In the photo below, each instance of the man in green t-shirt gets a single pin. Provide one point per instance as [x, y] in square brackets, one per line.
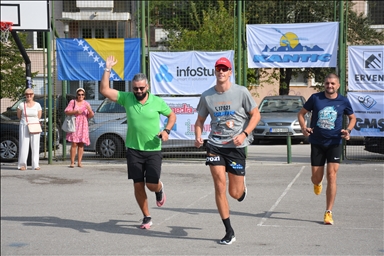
[143, 139]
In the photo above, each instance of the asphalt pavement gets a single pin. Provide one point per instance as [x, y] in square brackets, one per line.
[92, 210]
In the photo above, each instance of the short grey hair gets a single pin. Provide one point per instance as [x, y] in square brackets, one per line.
[140, 77]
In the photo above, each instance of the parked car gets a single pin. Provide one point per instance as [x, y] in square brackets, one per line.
[279, 118]
[57, 104]
[108, 140]
[374, 144]
[9, 139]
[108, 110]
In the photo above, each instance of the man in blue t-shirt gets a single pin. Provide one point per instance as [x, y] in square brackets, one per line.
[325, 135]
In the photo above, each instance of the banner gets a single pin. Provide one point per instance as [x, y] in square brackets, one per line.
[185, 73]
[293, 45]
[369, 111]
[365, 68]
[186, 115]
[84, 59]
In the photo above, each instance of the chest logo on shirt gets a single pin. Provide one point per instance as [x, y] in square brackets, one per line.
[230, 124]
[327, 118]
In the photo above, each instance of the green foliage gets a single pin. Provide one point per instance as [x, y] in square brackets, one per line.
[12, 76]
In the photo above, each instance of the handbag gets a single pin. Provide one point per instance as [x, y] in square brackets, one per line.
[69, 124]
[33, 128]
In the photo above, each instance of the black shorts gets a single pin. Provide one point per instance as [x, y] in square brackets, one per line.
[320, 154]
[144, 165]
[232, 158]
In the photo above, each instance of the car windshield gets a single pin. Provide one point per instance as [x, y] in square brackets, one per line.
[280, 105]
[40, 100]
[109, 106]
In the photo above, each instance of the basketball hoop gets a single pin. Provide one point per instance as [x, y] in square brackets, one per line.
[6, 27]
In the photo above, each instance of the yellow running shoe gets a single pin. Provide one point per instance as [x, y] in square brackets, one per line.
[328, 218]
[317, 188]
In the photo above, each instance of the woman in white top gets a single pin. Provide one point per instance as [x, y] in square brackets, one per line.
[33, 112]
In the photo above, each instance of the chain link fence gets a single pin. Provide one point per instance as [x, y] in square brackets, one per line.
[187, 26]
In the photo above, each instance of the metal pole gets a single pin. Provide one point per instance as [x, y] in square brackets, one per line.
[239, 48]
[64, 101]
[289, 149]
[143, 37]
[342, 56]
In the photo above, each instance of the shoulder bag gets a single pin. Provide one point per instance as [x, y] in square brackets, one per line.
[69, 124]
[33, 128]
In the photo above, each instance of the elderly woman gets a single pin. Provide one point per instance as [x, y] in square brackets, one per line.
[83, 111]
[28, 112]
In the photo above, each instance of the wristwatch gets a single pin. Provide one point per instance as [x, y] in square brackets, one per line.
[349, 131]
[107, 69]
[167, 131]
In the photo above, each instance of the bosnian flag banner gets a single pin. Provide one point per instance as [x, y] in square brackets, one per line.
[185, 73]
[293, 45]
[84, 59]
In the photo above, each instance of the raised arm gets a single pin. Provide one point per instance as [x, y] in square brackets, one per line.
[104, 83]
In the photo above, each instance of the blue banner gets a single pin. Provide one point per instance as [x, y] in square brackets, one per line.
[84, 59]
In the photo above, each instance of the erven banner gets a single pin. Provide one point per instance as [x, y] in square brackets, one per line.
[185, 73]
[84, 59]
[366, 68]
[294, 45]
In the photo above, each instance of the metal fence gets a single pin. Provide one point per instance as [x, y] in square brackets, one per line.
[201, 26]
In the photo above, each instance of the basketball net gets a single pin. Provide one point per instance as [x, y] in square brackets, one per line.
[6, 27]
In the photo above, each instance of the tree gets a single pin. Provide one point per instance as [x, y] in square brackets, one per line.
[12, 76]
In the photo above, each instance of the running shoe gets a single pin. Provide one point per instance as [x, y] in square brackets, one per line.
[328, 218]
[244, 194]
[147, 223]
[160, 196]
[229, 238]
[317, 188]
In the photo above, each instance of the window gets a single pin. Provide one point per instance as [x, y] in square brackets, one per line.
[375, 12]
[37, 40]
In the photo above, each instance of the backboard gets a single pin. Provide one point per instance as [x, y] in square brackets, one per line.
[26, 15]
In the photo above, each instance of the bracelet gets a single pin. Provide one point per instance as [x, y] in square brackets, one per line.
[107, 69]
[246, 134]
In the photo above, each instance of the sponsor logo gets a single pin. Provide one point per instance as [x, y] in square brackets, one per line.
[373, 61]
[213, 158]
[367, 102]
[236, 166]
[294, 51]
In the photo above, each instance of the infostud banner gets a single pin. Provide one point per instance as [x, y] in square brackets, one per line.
[369, 111]
[366, 68]
[186, 115]
[84, 59]
[185, 73]
[293, 45]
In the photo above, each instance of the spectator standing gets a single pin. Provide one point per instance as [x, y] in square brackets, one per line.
[83, 111]
[32, 111]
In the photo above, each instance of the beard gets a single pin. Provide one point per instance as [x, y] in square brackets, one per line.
[140, 96]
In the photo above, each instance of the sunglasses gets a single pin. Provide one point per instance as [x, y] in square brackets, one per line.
[139, 88]
[80, 94]
[28, 94]
[224, 69]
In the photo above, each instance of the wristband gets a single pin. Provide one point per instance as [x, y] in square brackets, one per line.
[167, 131]
[107, 69]
[246, 134]
[349, 131]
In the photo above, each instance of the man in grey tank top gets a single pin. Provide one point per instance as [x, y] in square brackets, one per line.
[234, 115]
